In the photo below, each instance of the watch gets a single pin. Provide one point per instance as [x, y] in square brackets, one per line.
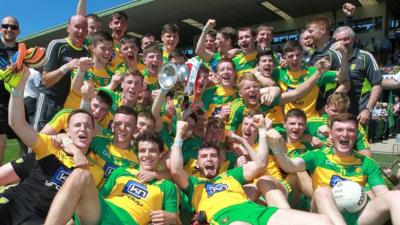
[369, 109]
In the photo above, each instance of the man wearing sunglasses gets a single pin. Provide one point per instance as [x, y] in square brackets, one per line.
[8, 46]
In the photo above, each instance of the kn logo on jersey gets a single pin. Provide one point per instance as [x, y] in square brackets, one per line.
[215, 188]
[135, 189]
[60, 176]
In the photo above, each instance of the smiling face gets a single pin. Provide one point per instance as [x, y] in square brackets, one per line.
[149, 155]
[208, 162]
[249, 130]
[153, 62]
[118, 26]
[246, 41]
[131, 86]
[264, 37]
[226, 74]
[293, 59]
[129, 51]
[295, 127]
[77, 30]
[210, 43]
[9, 29]
[249, 90]
[99, 109]
[103, 52]
[170, 40]
[81, 130]
[123, 128]
[344, 136]
[266, 64]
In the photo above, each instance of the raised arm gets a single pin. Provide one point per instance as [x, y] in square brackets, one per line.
[81, 8]
[77, 82]
[342, 76]
[277, 146]
[201, 43]
[156, 109]
[180, 176]
[253, 168]
[16, 114]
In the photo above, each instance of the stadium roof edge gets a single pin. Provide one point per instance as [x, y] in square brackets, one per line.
[102, 13]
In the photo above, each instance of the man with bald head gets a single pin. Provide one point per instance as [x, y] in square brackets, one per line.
[64, 55]
[8, 46]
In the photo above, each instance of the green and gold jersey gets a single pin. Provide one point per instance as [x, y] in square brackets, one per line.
[122, 68]
[109, 157]
[60, 121]
[298, 148]
[213, 195]
[165, 54]
[315, 123]
[128, 195]
[151, 81]
[244, 63]
[326, 168]
[215, 97]
[272, 167]
[117, 100]
[289, 80]
[229, 163]
[239, 110]
[44, 147]
[99, 78]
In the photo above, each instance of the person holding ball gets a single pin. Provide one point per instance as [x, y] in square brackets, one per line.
[330, 165]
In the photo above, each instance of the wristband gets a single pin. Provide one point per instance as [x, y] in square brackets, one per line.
[64, 69]
[17, 93]
[85, 105]
[262, 130]
[66, 142]
[178, 142]
[276, 150]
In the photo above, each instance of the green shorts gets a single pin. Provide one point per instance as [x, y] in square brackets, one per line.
[248, 212]
[110, 214]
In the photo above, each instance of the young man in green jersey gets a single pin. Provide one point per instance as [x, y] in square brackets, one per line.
[95, 70]
[221, 197]
[129, 56]
[216, 99]
[98, 105]
[246, 59]
[330, 165]
[131, 85]
[295, 74]
[170, 39]
[116, 150]
[152, 58]
[318, 127]
[225, 39]
[123, 199]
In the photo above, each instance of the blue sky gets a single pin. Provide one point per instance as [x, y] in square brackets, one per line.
[37, 15]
